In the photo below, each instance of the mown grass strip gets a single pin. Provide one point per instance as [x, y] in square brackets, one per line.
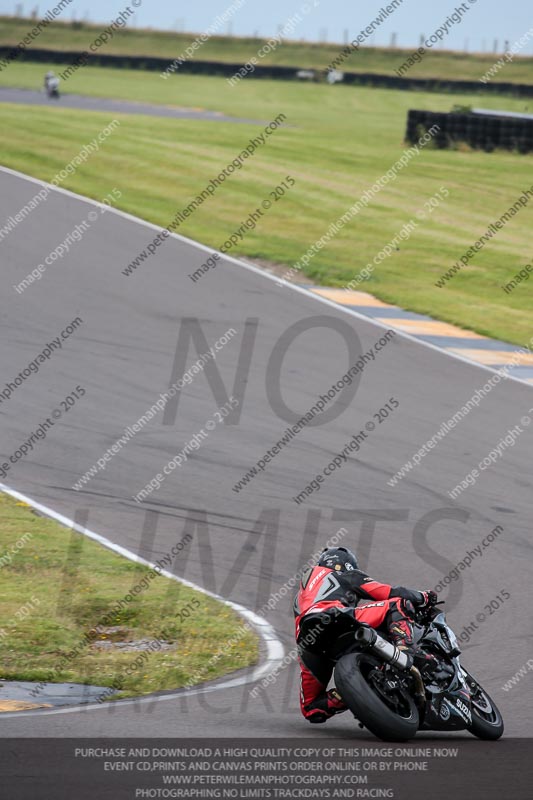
[60, 590]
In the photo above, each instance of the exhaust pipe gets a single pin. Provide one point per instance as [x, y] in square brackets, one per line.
[370, 640]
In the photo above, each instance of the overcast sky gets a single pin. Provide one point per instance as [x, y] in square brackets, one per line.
[484, 22]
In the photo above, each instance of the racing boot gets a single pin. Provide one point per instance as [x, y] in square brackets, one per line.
[401, 634]
[325, 706]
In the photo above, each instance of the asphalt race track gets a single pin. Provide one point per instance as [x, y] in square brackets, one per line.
[246, 545]
[85, 103]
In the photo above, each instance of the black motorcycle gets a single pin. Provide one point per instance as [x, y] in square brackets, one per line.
[394, 699]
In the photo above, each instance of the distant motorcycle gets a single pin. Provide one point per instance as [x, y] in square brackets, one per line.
[394, 700]
[51, 85]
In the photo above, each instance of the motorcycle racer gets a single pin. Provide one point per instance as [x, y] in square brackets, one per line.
[325, 607]
[51, 84]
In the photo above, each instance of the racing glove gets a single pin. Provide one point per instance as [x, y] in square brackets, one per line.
[427, 598]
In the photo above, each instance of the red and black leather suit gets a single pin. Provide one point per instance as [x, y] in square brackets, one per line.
[325, 607]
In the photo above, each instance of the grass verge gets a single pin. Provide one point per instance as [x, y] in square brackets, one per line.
[168, 44]
[57, 585]
[337, 143]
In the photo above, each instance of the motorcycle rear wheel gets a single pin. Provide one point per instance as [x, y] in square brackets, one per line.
[391, 717]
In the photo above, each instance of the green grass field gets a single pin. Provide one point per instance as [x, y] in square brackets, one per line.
[436, 64]
[337, 143]
[57, 585]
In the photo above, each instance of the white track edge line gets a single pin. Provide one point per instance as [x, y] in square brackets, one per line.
[274, 647]
[302, 290]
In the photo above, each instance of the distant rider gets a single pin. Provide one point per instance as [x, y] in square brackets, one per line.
[51, 84]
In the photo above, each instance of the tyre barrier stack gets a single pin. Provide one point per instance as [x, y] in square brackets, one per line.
[481, 131]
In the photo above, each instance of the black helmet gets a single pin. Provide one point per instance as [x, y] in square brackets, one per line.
[338, 558]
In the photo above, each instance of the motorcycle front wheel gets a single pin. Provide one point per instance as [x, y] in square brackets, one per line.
[376, 697]
[487, 722]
